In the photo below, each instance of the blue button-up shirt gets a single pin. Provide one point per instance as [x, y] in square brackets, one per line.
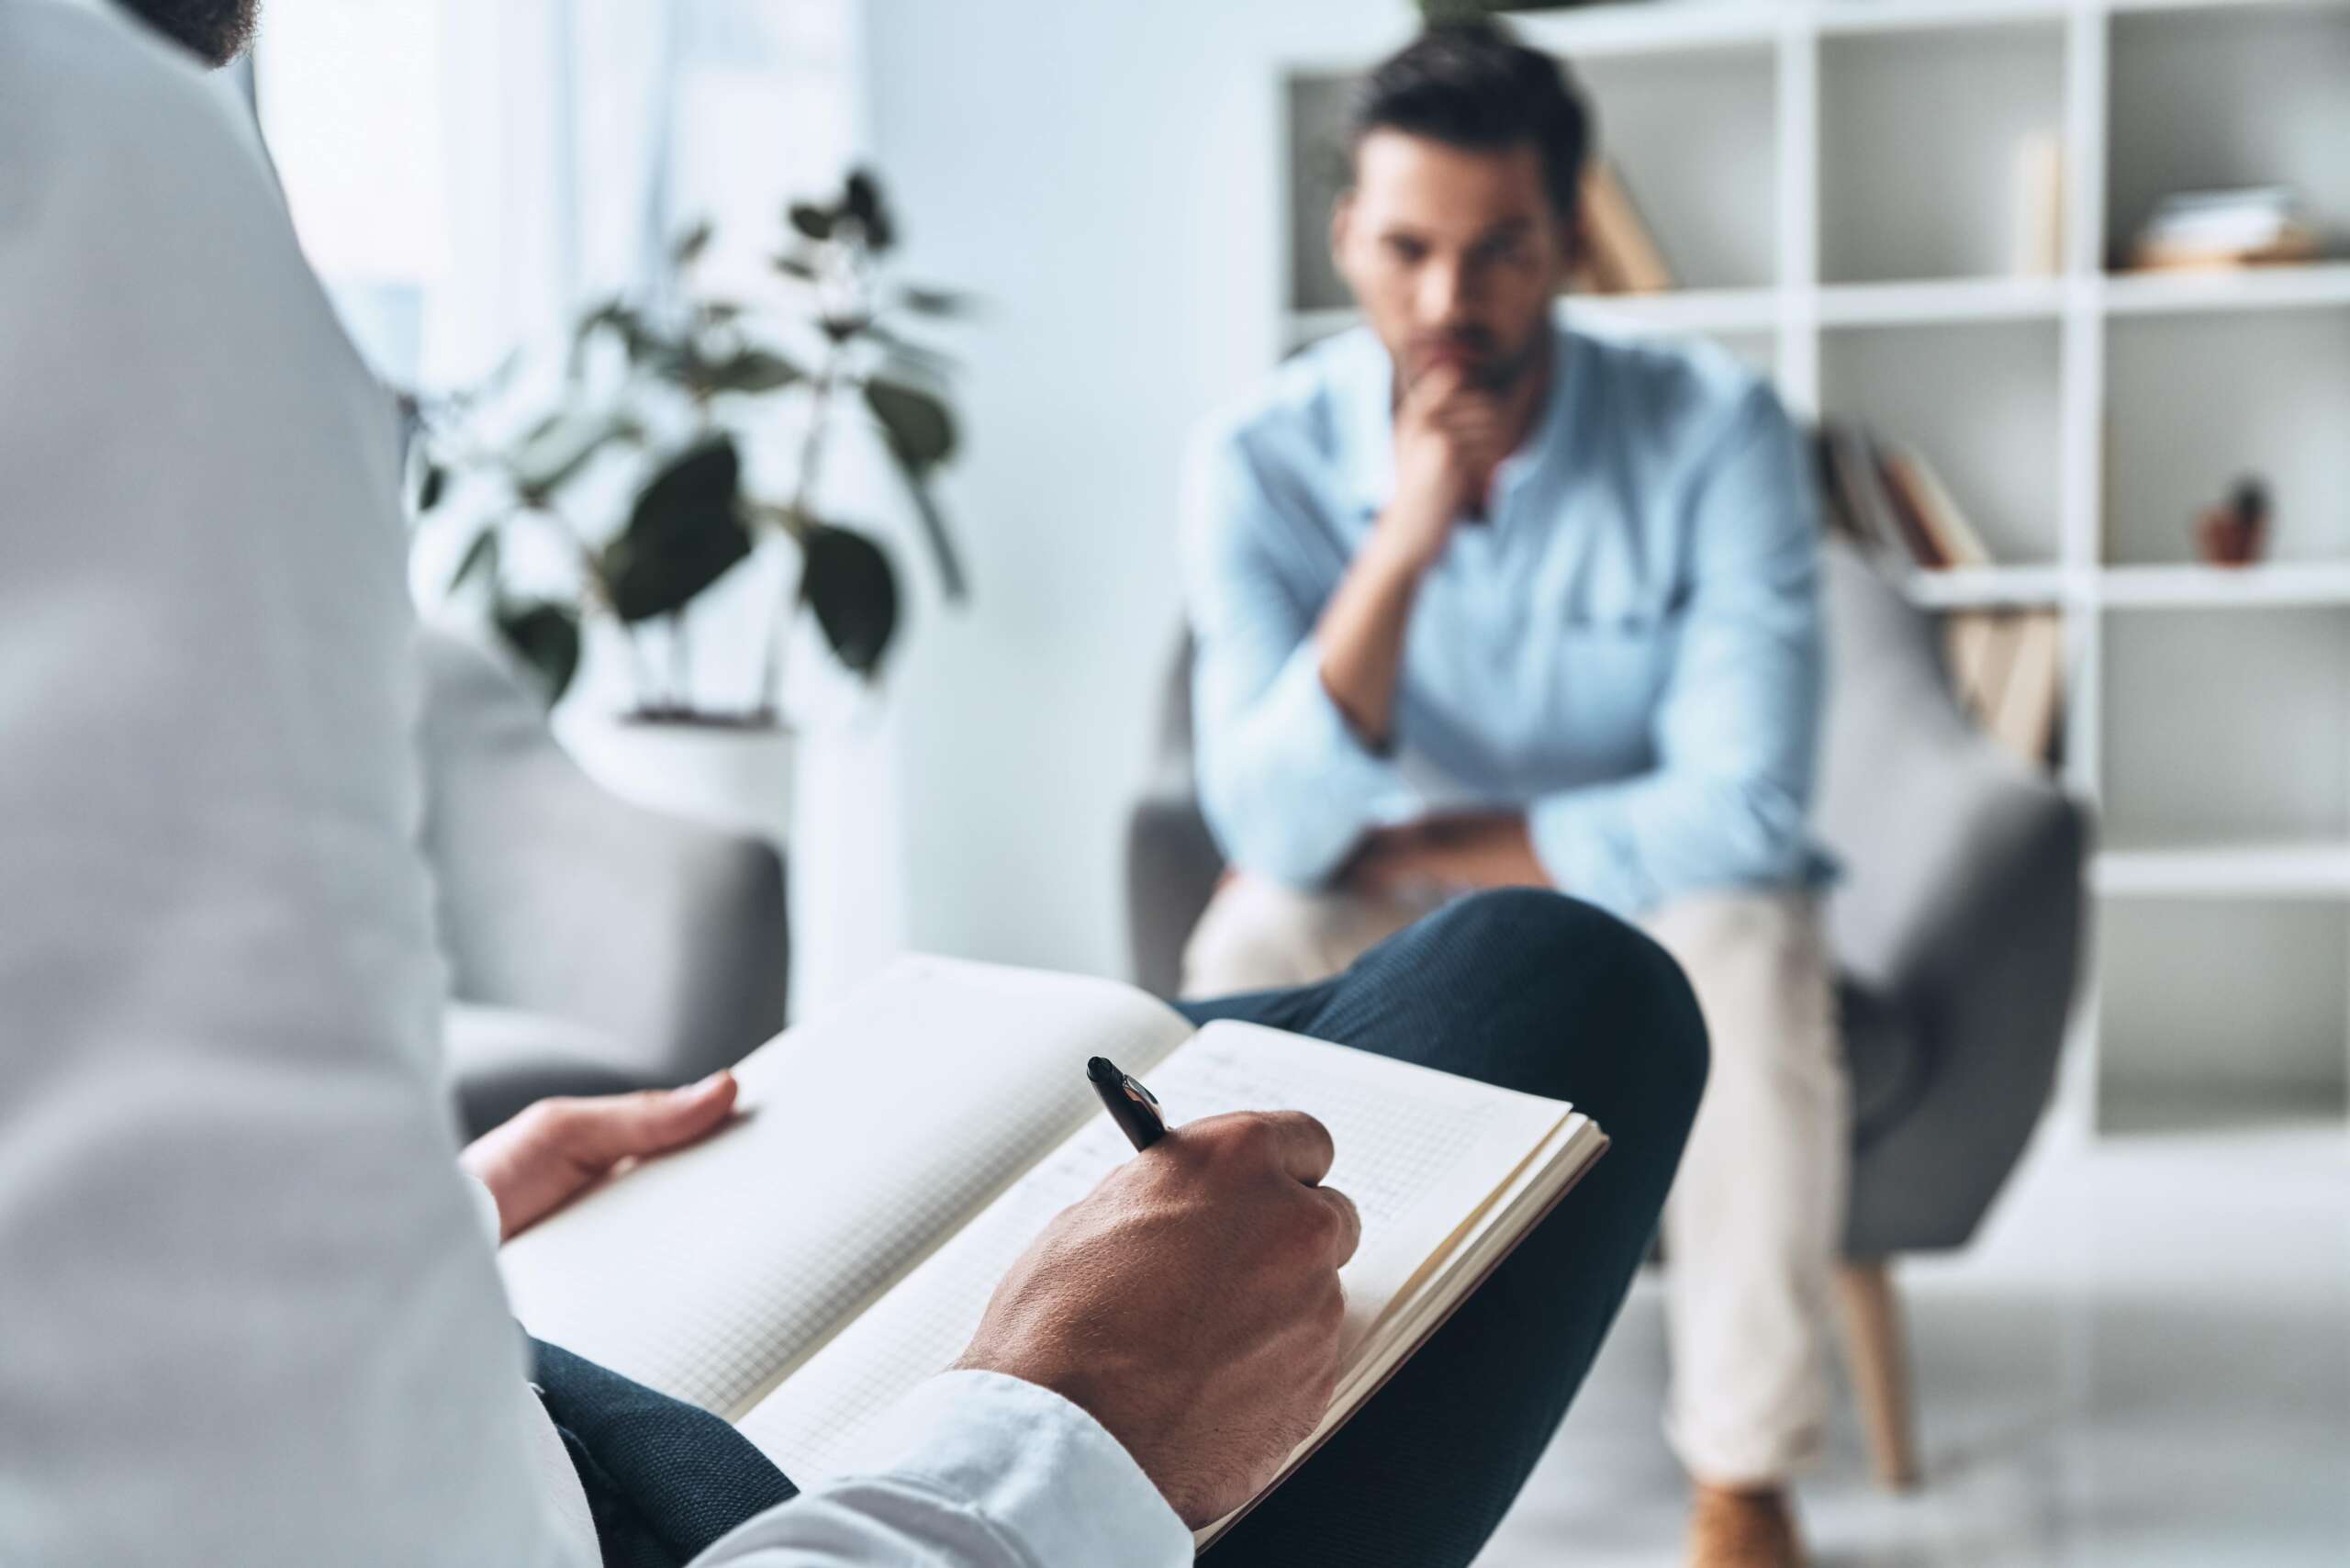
[1629, 649]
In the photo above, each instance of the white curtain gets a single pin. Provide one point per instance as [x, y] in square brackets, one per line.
[466, 175]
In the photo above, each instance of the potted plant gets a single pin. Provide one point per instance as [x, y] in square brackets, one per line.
[628, 497]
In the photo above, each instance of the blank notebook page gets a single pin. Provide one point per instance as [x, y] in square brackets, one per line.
[867, 1136]
[1418, 1151]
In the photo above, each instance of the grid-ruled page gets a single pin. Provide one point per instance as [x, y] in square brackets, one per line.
[1419, 1152]
[867, 1136]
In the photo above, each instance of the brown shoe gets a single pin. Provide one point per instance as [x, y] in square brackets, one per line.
[1742, 1529]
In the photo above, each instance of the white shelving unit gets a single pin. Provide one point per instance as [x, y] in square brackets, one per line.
[1834, 182]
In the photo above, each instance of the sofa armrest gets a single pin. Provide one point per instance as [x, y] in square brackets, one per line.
[1971, 922]
[1172, 864]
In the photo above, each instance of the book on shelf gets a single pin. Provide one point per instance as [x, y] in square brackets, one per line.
[2200, 230]
[1918, 492]
[1855, 500]
[801, 1269]
[2006, 669]
[1887, 496]
[1619, 253]
[2039, 206]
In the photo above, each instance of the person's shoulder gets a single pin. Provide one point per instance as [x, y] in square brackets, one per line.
[1295, 417]
[104, 120]
[1683, 396]
[95, 80]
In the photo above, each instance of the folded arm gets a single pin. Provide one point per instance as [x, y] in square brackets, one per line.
[1735, 733]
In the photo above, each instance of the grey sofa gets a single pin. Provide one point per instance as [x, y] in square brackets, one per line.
[592, 945]
[1957, 926]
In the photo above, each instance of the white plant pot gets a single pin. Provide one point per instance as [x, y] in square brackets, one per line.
[738, 779]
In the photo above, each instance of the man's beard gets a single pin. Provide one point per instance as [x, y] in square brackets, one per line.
[215, 29]
[1489, 366]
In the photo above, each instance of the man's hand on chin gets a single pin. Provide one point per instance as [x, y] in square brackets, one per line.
[1449, 854]
[549, 1153]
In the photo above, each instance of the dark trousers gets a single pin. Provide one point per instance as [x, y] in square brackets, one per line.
[1528, 990]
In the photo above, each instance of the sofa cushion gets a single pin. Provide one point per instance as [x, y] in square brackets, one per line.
[1884, 1056]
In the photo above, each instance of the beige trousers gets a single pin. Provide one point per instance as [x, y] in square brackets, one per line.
[1752, 1225]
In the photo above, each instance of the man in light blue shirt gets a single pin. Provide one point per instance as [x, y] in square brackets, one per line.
[1481, 599]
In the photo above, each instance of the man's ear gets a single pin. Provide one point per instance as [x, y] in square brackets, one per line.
[1341, 220]
[1571, 241]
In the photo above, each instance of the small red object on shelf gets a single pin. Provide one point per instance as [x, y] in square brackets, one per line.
[2235, 533]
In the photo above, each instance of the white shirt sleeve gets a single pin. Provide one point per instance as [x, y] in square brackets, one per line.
[973, 1470]
[247, 1314]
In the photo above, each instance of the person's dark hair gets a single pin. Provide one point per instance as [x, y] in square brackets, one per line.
[1471, 85]
[217, 30]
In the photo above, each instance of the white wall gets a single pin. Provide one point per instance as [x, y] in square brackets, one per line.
[1106, 173]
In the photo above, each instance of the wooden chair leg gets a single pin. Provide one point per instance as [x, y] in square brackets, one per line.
[1879, 1361]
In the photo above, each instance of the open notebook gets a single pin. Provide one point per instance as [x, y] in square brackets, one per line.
[800, 1269]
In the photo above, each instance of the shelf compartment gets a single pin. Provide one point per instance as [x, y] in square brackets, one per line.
[2195, 400]
[1920, 136]
[2222, 1014]
[1979, 400]
[2233, 95]
[1694, 138]
[2226, 726]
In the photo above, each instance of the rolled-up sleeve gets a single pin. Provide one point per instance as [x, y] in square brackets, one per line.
[1736, 733]
[973, 1470]
[1287, 786]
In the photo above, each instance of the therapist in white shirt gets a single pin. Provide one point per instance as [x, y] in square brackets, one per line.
[246, 1315]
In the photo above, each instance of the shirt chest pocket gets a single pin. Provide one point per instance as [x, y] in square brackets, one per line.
[1601, 679]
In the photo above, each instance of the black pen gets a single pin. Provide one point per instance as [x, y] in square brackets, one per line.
[1133, 1107]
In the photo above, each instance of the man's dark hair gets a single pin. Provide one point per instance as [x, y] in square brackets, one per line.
[1471, 85]
[217, 30]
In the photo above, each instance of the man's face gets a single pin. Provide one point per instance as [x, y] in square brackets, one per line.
[1453, 254]
[215, 29]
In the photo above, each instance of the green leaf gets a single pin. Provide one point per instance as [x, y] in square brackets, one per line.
[612, 313]
[925, 301]
[951, 581]
[481, 556]
[431, 486]
[847, 580]
[554, 450]
[685, 533]
[691, 243]
[546, 636]
[921, 431]
[920, 358]
[814, 222]
[795, 266]
[751, 370]
[862, 197]
[861, 200]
